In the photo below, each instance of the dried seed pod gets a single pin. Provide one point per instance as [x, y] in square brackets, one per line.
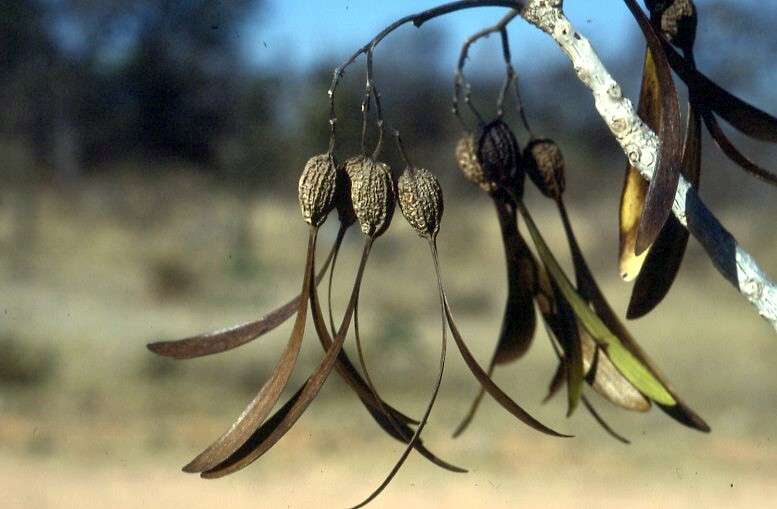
[499, 154]
[545, 166]
[317, 188]
[372, 194]
[420, 199]
[345, 212]
[678, 20]
[468, 163]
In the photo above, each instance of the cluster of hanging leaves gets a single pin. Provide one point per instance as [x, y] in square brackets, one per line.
[593, 348]
[653, 260]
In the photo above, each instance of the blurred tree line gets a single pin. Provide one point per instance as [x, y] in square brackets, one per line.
[88, 84]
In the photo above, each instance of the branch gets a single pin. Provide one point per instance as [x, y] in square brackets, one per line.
[641, 145]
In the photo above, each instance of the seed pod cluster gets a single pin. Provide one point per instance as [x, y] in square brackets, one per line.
[545, 166]
[420, 199]
[678, 20]
[467, 161]
[316, 188]
[372, 194]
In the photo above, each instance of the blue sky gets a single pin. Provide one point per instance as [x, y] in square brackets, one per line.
[300, 33]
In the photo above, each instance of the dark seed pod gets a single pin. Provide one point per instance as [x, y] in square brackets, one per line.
[316, 188]
[498, 153]
[677, 19]
[545, 166]
[372, 194]
[420, 199]
[467, 161]
[345, 212]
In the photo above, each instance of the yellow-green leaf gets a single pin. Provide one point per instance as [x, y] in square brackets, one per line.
[629, 366]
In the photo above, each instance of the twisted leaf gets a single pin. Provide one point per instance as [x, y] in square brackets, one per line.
[276, 427]
[256, 412]
[635, 186]
[666, 255]
[661, 190]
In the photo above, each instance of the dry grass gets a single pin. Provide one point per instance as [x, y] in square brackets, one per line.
[127, 263]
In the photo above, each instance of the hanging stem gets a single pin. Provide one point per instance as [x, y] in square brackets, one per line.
[417, 19]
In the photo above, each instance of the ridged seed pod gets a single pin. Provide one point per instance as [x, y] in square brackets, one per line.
[372, 194]
[545, 166]
[468, 163]
[316, 188]
[678, 20]
[498, 152]
[420, 199]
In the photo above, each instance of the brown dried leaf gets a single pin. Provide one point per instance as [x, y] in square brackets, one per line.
[264, 437]
[666, 255]
[707, 95]
[733, 153]
[227, 339]
[661, 190]
[430, 405]
[488, 384]
[518, 320]
[256, 412]
[635, 186]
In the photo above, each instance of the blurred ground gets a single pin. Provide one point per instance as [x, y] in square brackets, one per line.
[89, 418]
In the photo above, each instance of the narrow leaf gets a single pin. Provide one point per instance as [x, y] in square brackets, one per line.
[435, 391]
[661, 191]
[557, 382]
[591, 292]
[626, 363]
[733, 153]
[565, 328]
[518, 321]
[666, 255]
[599, 371]
[488, 384]
[635, 186]
[404, 434]
[274, 429]
[708, 95]
[233, 337]
[256, 412]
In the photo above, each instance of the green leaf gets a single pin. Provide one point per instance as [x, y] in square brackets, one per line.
[629, 366]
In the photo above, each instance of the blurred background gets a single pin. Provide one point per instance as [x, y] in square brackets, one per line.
[149, 154]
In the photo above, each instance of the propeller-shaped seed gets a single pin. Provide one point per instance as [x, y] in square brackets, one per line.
[545, 166]
[468, 163]
[317, 188]
[498, 153]
[420, 199]
[372, 194]
[678, 20]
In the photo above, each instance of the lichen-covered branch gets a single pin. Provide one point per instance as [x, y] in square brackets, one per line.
[641, 145]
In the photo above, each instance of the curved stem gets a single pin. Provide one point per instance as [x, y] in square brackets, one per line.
[417, 19]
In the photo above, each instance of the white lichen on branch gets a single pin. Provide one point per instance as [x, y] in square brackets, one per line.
[641, 146]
